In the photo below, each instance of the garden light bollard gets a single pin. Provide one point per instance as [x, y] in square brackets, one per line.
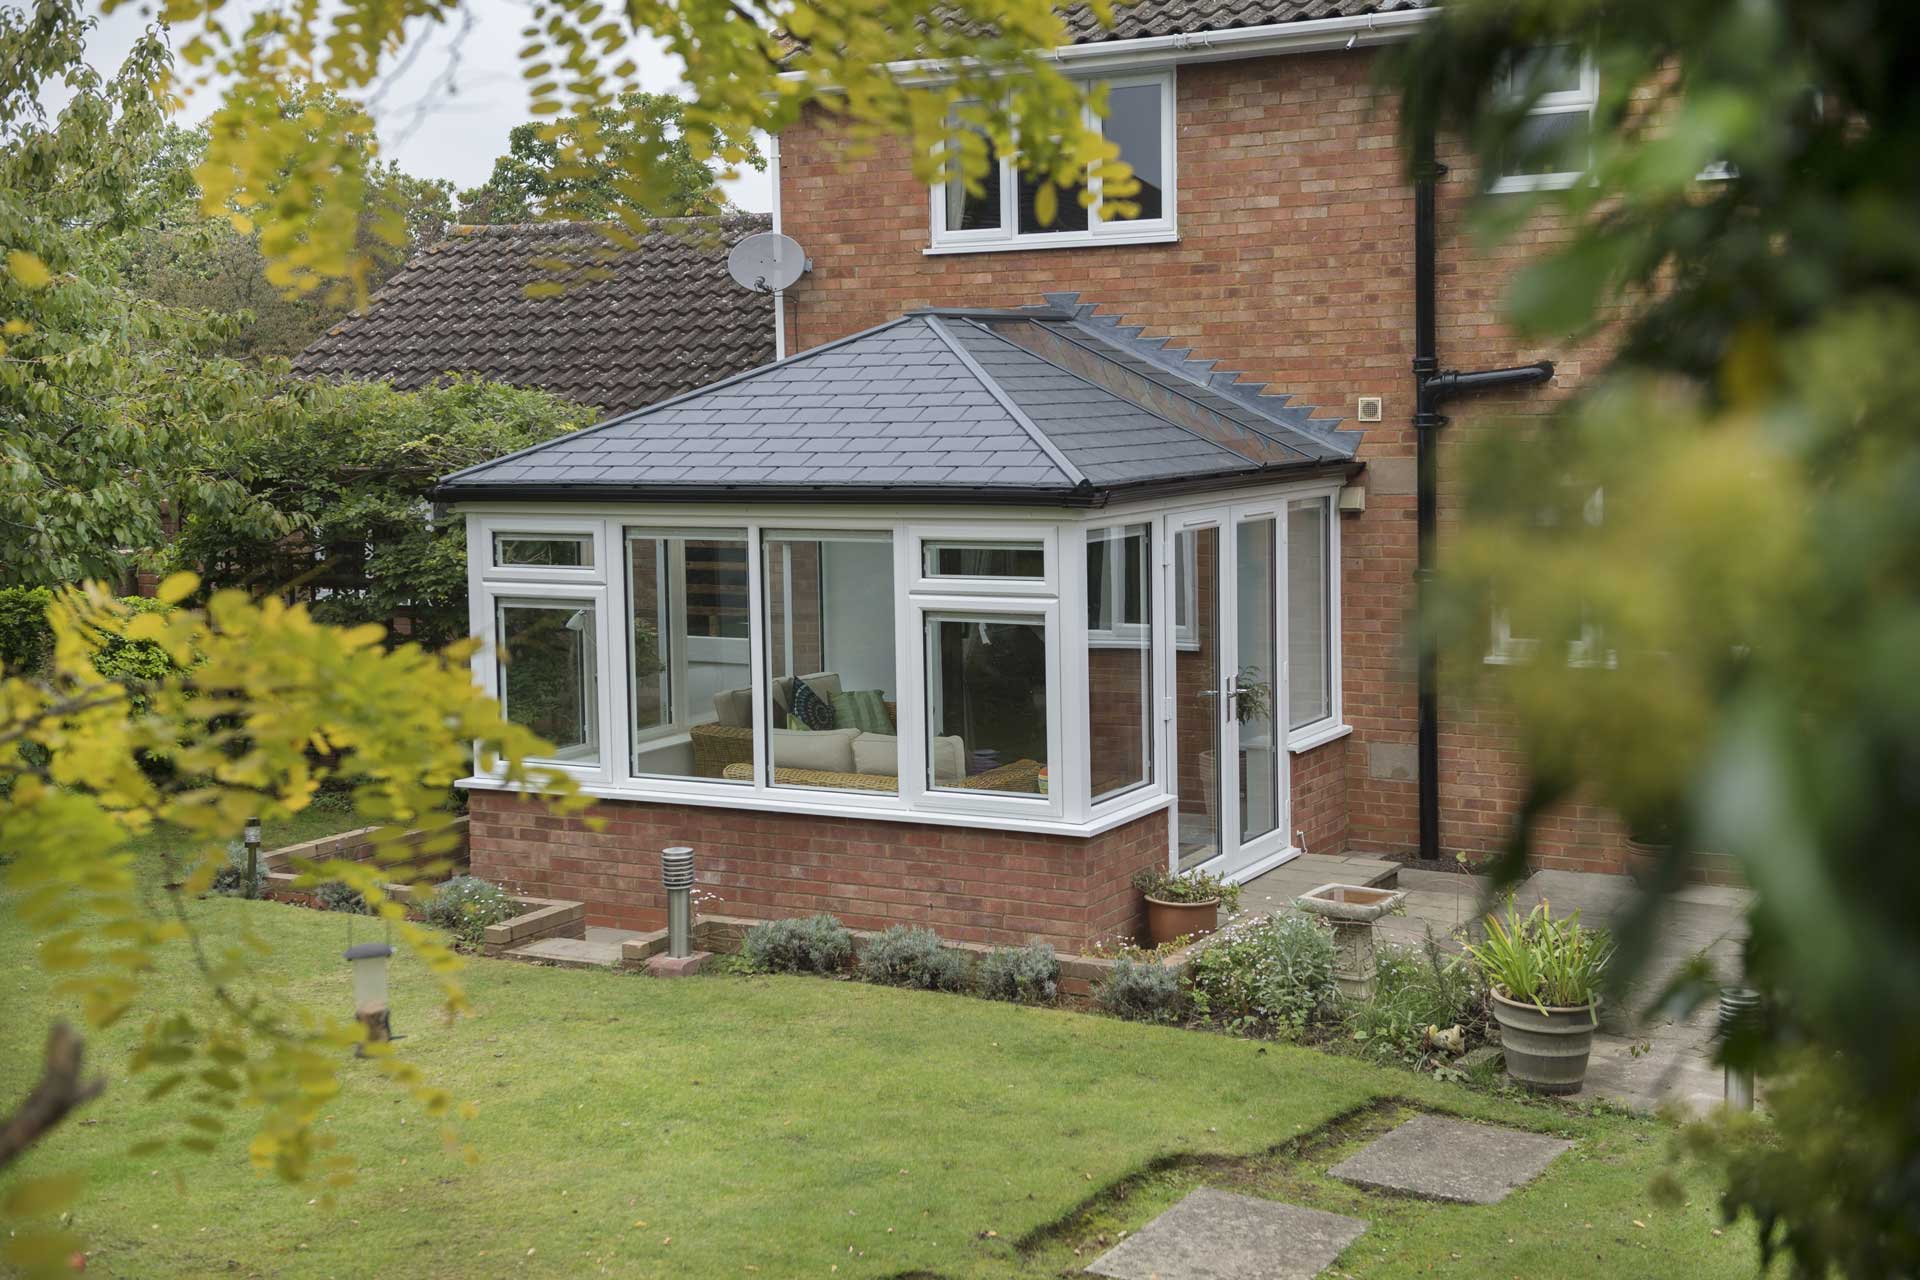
[676, 875]
[369, 960]
[1739, 1006]
[251, 835]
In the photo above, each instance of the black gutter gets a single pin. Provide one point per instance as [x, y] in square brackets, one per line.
[1431, 389]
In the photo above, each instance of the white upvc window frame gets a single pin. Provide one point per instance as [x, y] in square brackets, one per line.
[1153, 636]
[1007, 235]
[1583, 101]
[1332, 725]
[1057, 598]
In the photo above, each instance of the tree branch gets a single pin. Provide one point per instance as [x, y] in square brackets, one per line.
[60, 1090]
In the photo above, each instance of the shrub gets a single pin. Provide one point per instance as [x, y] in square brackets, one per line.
[335, 896]
[1415, 988]
[1141, 990]
[465, 905]
[815, 944]
[1273, 976]
[26, 641]
[231, 879]
[1187, 886]
[904, 956]
[1025, 975]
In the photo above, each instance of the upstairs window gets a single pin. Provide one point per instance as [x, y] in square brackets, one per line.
[1553, 147]
[1001, 213]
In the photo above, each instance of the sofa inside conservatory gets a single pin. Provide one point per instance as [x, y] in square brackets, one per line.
[960, 621]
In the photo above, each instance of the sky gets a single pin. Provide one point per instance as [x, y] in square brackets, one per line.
[439, 116]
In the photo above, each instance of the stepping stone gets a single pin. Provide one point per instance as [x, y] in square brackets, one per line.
[1213, 1235]
[1442, 1159]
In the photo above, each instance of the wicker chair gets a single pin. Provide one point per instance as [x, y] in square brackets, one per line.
[1021, 775]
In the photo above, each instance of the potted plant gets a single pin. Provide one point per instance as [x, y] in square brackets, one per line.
[1544, 976]
[1183, 905]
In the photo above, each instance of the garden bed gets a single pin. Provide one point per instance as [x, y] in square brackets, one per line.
[537, 918]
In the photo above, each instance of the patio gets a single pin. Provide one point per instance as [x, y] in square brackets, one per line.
[1676, 1067]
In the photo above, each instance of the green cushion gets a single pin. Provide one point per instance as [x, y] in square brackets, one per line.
[863, 709]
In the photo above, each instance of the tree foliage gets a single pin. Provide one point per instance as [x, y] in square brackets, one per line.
[257, 707]
[643, 130]
[1724, 529]
[749, 65]
[349, 477]
[112, 409]
[195, 262]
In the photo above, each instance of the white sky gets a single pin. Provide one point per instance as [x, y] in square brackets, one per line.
[437, 117]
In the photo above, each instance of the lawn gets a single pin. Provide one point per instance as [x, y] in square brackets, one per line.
[776, 1126]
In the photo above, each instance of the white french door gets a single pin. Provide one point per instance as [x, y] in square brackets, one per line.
[1228, 681]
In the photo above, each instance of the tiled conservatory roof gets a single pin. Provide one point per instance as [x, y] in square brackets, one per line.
[1048, 403]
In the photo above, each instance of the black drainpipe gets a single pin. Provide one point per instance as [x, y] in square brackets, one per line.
[1431, 389]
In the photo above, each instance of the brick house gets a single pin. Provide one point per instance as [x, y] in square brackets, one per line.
[999, 586]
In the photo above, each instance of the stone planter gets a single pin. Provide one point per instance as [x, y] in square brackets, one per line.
[1351, 909]
[1546, 1052]
[1169, 920]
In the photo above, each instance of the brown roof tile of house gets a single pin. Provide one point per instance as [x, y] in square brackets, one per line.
[1182, 17]
[631, 328]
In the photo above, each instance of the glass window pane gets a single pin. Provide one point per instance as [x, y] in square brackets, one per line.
[984, 560]
[830, 627]
[1549, 142]
[1309, 615]
[557, 550]
[987, 704]
[1196, 696]
[1120, 664]
[1069, 213]
[967, 211]
[1551, 69]
[1253, 684]
[691, 699]
[548, 673]
[1133, 123]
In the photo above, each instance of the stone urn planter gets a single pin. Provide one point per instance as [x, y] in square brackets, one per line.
[1169, 920]
[1546, 1049]
[1351, 909]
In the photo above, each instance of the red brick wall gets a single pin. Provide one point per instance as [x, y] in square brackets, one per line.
[1295, 265]
[968, 885]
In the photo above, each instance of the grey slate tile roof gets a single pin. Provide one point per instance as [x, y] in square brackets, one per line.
[1049, 403]
[652, 322]
[1177, 17]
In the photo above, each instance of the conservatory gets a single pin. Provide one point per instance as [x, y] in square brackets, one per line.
[960, 620]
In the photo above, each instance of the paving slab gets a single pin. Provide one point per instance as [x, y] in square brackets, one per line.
[1438, 1158]
[569, 953]
[1215, 1235]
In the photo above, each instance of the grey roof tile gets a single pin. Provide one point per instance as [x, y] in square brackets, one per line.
[1038, 401]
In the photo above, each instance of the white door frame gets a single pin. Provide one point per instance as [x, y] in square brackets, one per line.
[1240, 859]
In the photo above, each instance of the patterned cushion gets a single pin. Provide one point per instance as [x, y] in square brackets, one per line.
[862, 709]
[809, 708]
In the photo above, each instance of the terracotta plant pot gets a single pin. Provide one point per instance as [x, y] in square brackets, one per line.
[1546, 1052]
[1169, 920]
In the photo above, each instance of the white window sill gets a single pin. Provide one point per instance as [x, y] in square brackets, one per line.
[1110, 239]
[1520, 183]
[1316, 736]
[767, 802]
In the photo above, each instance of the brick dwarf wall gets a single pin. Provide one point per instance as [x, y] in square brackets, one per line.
[1295, 266]
[969, 885]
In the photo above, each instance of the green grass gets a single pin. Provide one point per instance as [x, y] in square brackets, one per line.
[740, 1126]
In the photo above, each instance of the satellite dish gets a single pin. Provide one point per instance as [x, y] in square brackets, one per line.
[767, 262]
